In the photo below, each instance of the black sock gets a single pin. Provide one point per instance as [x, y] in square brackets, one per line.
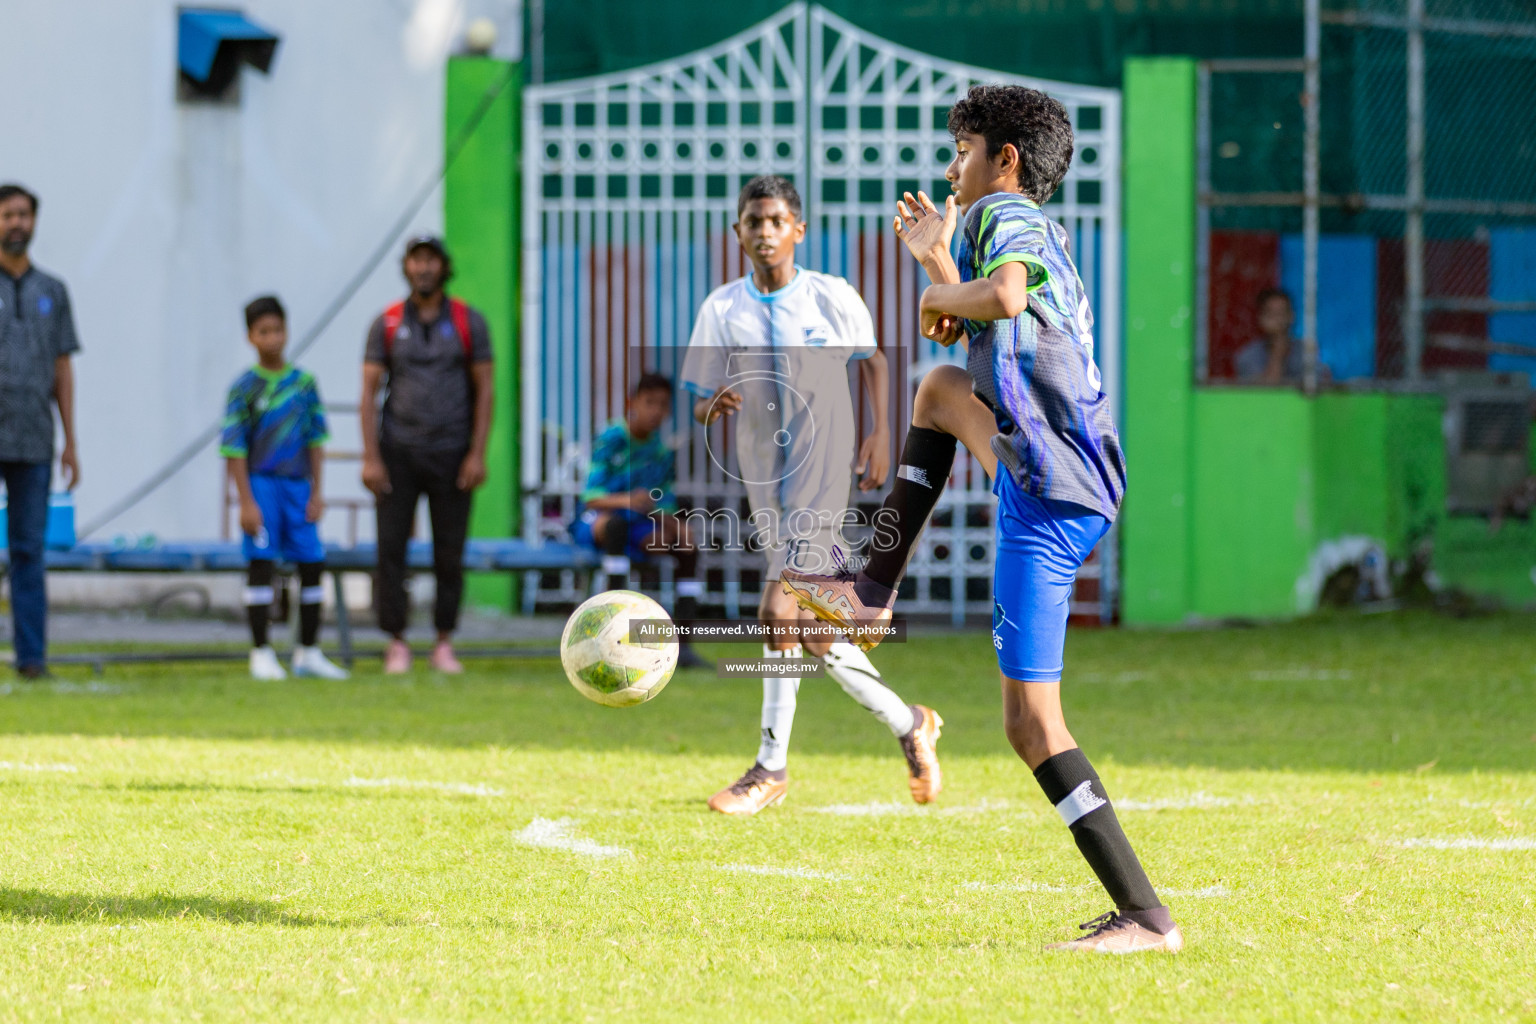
[310, 597]
[1073, 786]
[926, 459]
[258, 599]
[615, 541]
[689, 587]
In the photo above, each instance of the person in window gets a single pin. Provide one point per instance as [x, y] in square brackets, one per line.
[1274, 357]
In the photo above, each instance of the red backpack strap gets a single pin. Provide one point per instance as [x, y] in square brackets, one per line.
[459, 312]
[394, 316]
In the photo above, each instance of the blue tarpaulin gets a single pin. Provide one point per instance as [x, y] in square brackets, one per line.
[1512, 262]
[1346, 300]
[200, 32]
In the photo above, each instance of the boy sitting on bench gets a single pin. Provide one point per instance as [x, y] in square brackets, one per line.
[628, 510]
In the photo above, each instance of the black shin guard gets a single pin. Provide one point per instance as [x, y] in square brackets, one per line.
[258, 599]
[1073, 786]
[310, 597]
[615, 541]
[926, 459]
[689, 587]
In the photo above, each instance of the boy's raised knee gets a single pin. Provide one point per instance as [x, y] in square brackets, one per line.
[939, 388]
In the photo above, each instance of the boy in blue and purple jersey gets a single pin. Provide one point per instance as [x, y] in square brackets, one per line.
[1030, 408]
[273, 440]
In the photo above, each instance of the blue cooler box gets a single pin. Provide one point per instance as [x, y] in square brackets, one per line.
[60, 532]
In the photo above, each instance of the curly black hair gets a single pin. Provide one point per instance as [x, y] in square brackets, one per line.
[651, 381]
[1036, 125]
[266, 305]
[769, 186]
[11, 189]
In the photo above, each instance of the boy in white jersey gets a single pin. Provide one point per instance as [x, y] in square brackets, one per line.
[771, 349]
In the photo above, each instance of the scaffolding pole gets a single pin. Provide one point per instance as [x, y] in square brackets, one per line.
[1413, 228]
[1310, 193]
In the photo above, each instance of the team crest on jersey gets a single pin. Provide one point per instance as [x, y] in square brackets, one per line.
[815, 336]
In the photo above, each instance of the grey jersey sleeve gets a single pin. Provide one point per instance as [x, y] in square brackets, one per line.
[373, 348]
[65, 341]
[705, 366]
[479, 338]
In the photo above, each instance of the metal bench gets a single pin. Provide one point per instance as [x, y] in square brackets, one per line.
[480, 555]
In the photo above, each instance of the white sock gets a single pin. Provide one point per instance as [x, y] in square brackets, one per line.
[778, 714]
[854, 672]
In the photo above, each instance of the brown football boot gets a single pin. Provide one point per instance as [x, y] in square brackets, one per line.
[1119, 932]
[925, 777]
[757, 789]
[836, 599]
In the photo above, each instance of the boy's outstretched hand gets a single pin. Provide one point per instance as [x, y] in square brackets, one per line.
[925, 230]
[723, 402]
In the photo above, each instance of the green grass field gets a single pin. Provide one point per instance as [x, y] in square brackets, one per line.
[1342, 814]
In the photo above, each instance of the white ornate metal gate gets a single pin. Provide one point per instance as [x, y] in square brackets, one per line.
[630, 182]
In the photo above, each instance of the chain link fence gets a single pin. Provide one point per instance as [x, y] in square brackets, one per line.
[1385, 182]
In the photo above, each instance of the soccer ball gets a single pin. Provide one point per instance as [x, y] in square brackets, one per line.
[603, 663]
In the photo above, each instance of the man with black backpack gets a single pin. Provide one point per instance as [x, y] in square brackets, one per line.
[432, 354]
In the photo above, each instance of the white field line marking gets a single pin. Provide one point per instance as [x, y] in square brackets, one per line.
[1209, 892]
[556, 835]
[291, 780]
[873, 810]
[1118, 677]
[1272, 675]
[91, 688]
[1195, 801]
[1471, 844]
[15, 766]
[880, 809]
[1019, 887]
[1298, 675]
[466, 788]
[1487, 804]
[761, 869]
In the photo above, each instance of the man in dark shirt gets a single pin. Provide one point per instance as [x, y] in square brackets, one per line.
[433, 354]
[37, 337]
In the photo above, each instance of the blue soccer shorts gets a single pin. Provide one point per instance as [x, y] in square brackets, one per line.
[639, 524]
[286, 532]
[1040, 545]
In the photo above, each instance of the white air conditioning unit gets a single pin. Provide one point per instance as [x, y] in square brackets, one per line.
[1487, 438]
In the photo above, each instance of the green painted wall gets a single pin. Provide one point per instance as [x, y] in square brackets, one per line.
[1354, 479]
[1231, 491]
[1274, 476]
[1252, 516]
[1157, 556]
[480, 208]
[1414, 444]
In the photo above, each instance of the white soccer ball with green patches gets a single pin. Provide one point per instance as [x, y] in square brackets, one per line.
[604, 663]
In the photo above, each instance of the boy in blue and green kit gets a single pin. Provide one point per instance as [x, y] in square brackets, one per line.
[1030, 408]
[274, 433]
